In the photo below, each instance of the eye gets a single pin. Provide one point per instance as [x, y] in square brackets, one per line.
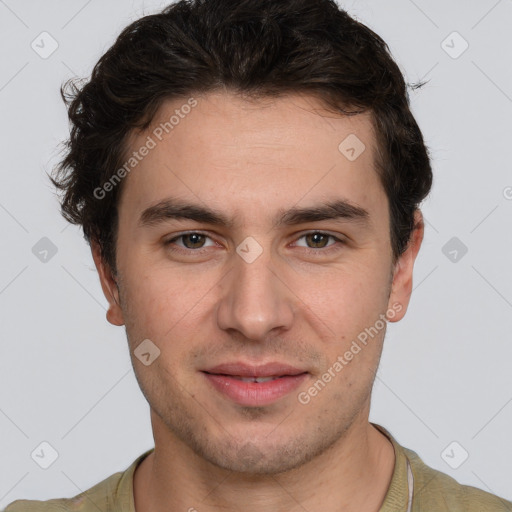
[318, 240]
[196, 242]
[191, 241]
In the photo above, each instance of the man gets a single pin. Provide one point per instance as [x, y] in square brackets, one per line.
[249, 176]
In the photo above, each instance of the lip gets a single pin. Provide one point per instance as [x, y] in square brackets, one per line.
[225, 379]
[240, 369]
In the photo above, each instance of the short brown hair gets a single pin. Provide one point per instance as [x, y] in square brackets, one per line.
[256, 48]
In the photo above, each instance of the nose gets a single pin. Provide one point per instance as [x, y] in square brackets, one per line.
[256, 299]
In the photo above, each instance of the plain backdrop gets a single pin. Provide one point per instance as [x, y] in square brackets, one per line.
[444, 388]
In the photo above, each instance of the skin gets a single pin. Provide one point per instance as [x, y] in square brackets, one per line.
[250, 159]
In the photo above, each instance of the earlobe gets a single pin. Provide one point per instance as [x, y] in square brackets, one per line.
[109, 286]
[401, 287]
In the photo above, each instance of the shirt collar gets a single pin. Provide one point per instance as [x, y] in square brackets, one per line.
[397, 496]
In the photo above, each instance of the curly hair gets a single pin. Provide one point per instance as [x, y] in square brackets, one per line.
[256, 48]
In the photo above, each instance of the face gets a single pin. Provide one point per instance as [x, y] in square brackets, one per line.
[231, 265]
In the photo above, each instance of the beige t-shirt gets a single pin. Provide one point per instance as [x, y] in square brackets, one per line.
[414, 487]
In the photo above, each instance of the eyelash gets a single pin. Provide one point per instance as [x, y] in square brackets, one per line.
[309, 250]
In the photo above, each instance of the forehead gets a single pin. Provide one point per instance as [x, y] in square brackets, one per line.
[243, 156]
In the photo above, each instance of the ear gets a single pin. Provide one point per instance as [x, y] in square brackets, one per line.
[402, 275]
[108, 285]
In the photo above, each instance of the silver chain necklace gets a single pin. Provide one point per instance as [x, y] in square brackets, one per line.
[410, 485]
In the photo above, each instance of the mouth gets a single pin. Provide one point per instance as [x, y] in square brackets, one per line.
[251, 385]
[253, 379]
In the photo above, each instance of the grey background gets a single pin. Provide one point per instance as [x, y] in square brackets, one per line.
[66, 376]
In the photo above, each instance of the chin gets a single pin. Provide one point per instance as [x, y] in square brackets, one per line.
[260, 456]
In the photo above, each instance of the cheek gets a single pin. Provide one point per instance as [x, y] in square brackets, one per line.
[345, 298]
[165, 302]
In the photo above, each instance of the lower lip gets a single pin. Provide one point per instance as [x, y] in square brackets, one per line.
[255, 393]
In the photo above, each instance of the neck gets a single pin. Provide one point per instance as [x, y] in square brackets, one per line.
[352, 475]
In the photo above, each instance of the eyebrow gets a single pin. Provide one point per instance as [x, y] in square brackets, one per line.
[172, 209]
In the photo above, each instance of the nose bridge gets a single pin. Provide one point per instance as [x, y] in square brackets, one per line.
[255, 300]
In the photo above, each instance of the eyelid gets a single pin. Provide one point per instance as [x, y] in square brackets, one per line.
[297, 237]
[185, 233]
[319, 232]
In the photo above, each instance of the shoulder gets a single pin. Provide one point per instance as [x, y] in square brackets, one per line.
[434, 490]
[100, 497]
[37, 506]
[113, 493]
